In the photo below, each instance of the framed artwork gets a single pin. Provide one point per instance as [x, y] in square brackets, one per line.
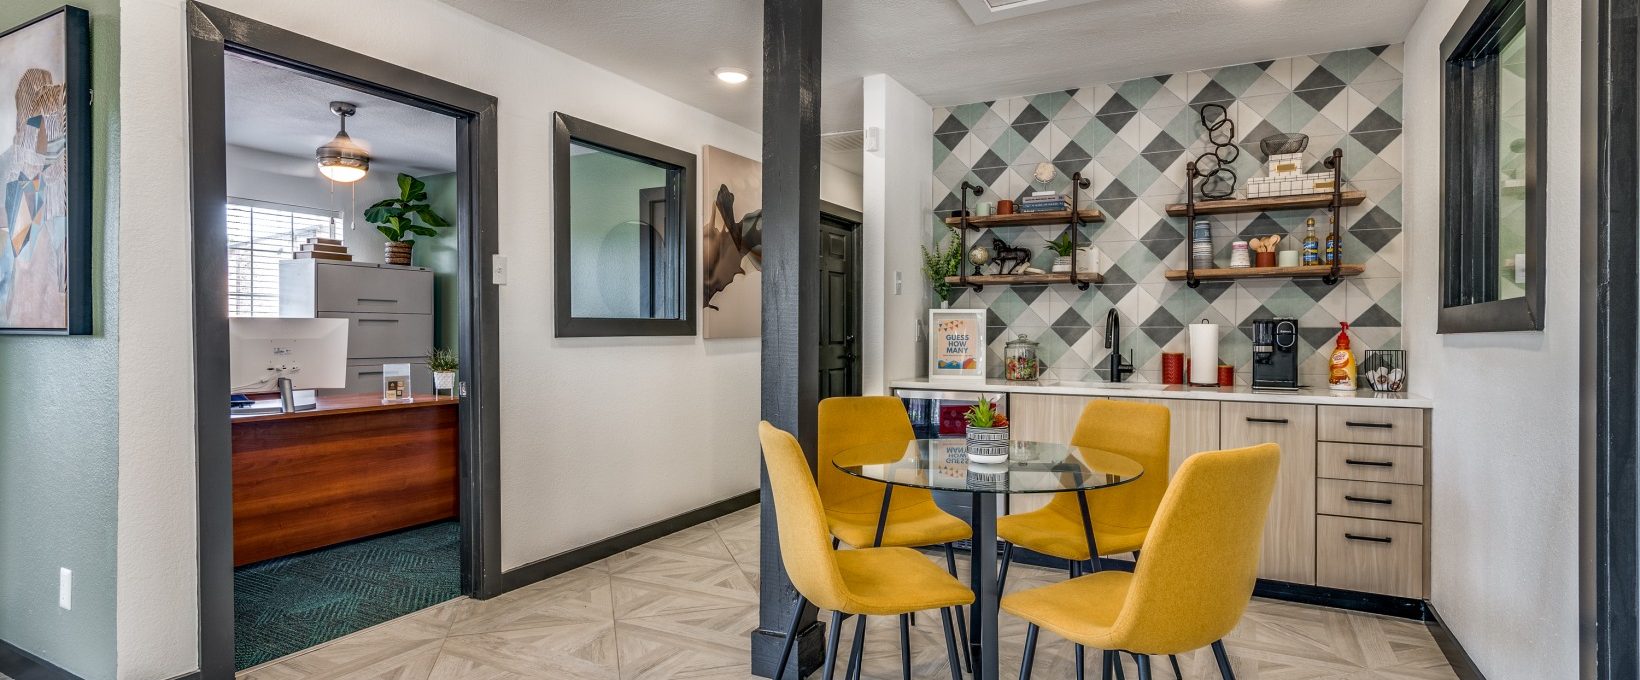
[732, 245]
[45, 175]
[956, 345]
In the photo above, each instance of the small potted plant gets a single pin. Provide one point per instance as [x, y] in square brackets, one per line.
[443, 363]
[987, 433]
[396, 219]
[1062, 247]
[938, 265]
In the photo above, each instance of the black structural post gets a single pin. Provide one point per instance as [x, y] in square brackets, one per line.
[791, 295]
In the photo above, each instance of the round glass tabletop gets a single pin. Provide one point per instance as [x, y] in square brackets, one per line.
[1032, 467]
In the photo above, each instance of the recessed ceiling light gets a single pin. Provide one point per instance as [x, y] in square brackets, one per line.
[732, 76]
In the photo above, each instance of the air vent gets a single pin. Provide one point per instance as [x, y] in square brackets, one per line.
[987, 11]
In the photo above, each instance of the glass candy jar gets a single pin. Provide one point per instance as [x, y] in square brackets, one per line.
[1021, 359]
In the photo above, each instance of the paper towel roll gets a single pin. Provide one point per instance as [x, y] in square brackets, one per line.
[1204, 354]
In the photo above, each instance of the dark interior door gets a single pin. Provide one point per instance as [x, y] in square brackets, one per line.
[839, 307]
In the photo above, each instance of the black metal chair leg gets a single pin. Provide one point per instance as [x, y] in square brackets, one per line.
[1081, 665]
[791, 636]
[1174, 658]
[905, 646]
[1104, 666]
[1030, 652]
[834, 634]
[962, 618]
[1224, 661]
[856, 656]
[950, 643]
[1143, 662]
[1116, 665]
[1076, 568]
[1002, 569]
[836, 542]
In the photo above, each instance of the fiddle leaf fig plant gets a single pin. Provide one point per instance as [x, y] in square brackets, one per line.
[396, 218]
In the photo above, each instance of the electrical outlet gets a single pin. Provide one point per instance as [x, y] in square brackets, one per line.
[498, 270]
[65, 588]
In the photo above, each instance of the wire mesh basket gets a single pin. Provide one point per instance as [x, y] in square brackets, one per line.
[1286, 142]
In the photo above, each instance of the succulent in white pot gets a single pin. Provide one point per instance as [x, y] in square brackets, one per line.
[443, 363]
[987, 433]
[1062, 247]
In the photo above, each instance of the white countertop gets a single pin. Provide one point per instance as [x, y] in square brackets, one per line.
[1159, 391]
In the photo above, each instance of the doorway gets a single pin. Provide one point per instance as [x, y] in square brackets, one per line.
[215, 38]
[840, 374]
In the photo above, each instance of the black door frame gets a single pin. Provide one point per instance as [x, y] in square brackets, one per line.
[213, 34]
[1609, 598]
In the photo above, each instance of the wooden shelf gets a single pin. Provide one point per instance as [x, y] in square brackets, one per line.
[1026, 279]
[1266, 273]
[1251, 205]
[1027, 219]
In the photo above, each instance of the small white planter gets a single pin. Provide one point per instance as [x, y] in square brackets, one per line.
[1062, 264]
[444, 381]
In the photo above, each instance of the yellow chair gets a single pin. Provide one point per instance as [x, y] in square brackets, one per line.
[1194, 582]
[854, 505]
[861, 582]
[1121, 515]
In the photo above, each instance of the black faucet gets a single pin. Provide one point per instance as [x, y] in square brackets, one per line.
[1119, 368]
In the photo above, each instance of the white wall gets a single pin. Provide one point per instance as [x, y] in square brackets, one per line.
[598, 435]
[840, 186]
[1504, 521]
[897, 199]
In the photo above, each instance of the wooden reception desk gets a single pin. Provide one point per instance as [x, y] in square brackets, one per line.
[350, 469]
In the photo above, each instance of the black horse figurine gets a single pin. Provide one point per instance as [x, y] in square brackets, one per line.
[1009, 259]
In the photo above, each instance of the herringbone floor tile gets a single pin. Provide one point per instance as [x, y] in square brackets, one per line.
[684, 607]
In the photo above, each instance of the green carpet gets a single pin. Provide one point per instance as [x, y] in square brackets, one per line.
[288, 604]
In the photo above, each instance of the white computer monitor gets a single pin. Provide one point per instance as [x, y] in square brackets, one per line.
[310, 353]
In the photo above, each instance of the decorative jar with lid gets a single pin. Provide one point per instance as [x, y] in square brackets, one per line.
[1021, 359]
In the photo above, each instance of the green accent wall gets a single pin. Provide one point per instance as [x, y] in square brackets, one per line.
[439, 255]
[59, 446]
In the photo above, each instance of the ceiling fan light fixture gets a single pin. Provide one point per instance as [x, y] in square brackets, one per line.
[342, 159]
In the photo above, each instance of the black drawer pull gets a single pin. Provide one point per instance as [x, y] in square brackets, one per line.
[1374, 501]
[1381, 426]
[1372, 539]
[381, 300]
[1272, 421]
[378, 320]
[1369, 463]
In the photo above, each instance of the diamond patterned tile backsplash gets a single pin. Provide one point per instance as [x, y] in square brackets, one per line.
[1133, 139]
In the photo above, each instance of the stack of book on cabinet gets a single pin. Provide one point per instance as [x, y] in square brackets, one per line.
[1044, 201]
[323, 249]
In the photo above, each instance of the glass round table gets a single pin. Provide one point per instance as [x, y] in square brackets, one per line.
[1032, 467]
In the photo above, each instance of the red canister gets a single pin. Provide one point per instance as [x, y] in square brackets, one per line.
[1227, 375]
[1172, 368]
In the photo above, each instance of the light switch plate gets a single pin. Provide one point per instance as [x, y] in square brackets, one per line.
[65, 588]
[498, 270]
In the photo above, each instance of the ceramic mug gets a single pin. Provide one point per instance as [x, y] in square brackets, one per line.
[1287, 258]
[1005, 207]
[987, 209]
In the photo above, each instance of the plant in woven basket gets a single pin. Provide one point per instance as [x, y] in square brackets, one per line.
[946, 261]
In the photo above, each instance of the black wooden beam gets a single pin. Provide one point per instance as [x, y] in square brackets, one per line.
[791, 293]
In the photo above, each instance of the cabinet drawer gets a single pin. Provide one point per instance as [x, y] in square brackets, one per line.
[386, 335]
[1371, 462]
[1371, 425]
[1371, 500]
[307, 287]
[1370, 556]
[366, 377]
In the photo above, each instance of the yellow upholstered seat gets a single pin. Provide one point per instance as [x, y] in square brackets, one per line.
[853, 505]
[1120, 515]
[1196, 577]
[865, 581]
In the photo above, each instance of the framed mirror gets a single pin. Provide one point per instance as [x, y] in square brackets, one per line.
[624, 230]
[1492, 165]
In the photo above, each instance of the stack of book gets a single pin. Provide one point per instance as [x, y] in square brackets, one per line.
[1044, 201]
[323, 249]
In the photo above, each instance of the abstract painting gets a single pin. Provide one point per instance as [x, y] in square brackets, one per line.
[733, 240]
[45, 198]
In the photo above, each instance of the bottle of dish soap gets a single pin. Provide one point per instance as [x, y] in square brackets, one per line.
[1341, 364]
[1311, 248]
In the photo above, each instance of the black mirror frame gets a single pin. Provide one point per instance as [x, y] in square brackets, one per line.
[567, 129]
[1524, 313]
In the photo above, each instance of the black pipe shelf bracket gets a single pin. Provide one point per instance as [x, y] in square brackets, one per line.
[962, 268]
[1333, 161]
[1078, 183]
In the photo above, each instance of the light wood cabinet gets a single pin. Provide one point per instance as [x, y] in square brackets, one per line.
[1370, 462]
[1372, 425]
[1041, 418]
[1288, 552]
[1369, 555]
[1370, 500]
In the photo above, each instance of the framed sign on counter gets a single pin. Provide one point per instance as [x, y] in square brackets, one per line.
[956, 345]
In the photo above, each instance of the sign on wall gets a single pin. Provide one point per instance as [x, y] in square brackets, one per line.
[956, 344]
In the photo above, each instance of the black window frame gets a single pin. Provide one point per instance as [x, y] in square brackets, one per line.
[568, 130]
[1469, 168]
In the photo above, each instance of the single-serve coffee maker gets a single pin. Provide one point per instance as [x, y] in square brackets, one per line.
[1275, 354]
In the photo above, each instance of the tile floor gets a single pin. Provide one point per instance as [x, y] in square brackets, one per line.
[684, 606]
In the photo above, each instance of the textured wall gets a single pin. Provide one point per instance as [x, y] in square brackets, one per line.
[1133, 139]
[58, 415]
